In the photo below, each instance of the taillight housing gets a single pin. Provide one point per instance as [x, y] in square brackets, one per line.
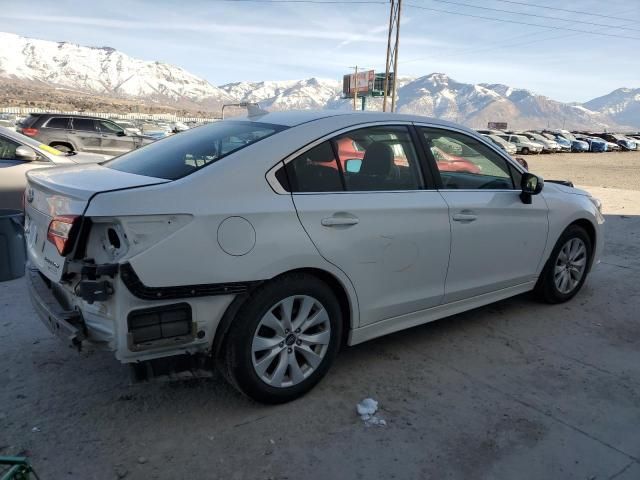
[63, 231]
[30, 132]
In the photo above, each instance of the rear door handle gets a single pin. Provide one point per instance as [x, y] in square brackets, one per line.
[339, 221]
[464, 217]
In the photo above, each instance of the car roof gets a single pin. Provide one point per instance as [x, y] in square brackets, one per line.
[67, 115]
[293, 118]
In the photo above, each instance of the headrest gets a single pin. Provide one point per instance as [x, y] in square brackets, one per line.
[378, 159]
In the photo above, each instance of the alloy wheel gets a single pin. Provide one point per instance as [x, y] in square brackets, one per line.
[570, 266]
[290, 341]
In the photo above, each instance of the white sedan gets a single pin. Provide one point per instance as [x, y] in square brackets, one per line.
[269, 242]
[19, 154]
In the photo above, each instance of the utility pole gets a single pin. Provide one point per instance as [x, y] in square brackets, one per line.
[392, 52]
[355, 89]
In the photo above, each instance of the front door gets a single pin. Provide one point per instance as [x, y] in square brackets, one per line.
[114, 140]
[497, 241]
[362, 200]
[84, 135]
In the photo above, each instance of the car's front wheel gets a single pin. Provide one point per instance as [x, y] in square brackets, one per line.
[566, 270]
[284, 339]
[525, 151]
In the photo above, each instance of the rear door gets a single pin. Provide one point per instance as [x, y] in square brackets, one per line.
[113, 139]
[85, 135]
[362, 199]
[497, 241]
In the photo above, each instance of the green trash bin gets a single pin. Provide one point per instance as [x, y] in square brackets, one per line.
[12, 245]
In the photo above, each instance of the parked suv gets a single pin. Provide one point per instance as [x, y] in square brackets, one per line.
[80, 133]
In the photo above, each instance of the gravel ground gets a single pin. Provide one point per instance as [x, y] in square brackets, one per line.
[609, 170]
[513, 390]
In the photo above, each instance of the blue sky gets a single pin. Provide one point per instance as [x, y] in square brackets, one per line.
[226, 41]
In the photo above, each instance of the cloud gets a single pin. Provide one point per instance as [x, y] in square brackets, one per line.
[345, 37]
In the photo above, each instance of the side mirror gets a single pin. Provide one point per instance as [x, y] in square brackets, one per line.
[531, 185]
[25, 153]
[121, 133]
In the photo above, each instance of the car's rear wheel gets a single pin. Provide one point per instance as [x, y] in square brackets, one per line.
[566, 270]
[284, 339]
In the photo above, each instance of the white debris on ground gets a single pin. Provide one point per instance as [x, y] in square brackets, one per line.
[367, 409]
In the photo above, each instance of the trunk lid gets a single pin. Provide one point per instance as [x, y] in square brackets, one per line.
[66, 191]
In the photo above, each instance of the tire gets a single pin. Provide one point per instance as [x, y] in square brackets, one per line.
[290, 364]
[550, 287]
[525, 151]
[62, 147]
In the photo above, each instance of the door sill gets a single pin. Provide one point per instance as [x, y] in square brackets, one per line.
[409, 320]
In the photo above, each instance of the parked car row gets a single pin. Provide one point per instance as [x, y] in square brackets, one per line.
[72, 131]
[554, 141]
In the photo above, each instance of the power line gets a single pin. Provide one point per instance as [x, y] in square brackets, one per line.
[546, 17]
[505, 43]
[533, 5]
[566, 29]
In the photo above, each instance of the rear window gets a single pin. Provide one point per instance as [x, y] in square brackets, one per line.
[180, 155]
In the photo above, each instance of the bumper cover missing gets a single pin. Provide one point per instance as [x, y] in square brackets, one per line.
[65, 324]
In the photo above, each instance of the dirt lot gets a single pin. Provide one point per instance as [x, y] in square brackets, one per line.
[513, 390]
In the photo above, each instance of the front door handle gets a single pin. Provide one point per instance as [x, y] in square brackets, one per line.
[464, 217]
[339, 221]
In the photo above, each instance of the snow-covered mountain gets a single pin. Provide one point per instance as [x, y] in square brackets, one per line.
[68, 67]
[622, 105]
[101, 70]
[434, 95]
[313, 93]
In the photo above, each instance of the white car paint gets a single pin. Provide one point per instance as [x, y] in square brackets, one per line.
[407, 260]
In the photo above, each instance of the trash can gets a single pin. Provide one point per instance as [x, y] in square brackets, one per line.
[12, 246]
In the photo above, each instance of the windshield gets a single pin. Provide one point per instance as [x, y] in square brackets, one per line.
[180, 155]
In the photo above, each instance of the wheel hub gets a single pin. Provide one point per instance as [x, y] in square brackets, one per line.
[291, 339]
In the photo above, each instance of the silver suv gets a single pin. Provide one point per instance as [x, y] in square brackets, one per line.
[81, 133]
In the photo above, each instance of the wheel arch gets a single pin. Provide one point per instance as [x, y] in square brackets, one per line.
[347, 306]
[56, 143]
[588, 227]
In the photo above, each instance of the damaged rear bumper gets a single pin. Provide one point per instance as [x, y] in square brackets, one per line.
[67, 324]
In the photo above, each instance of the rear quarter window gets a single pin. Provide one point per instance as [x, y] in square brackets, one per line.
[180, 155]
